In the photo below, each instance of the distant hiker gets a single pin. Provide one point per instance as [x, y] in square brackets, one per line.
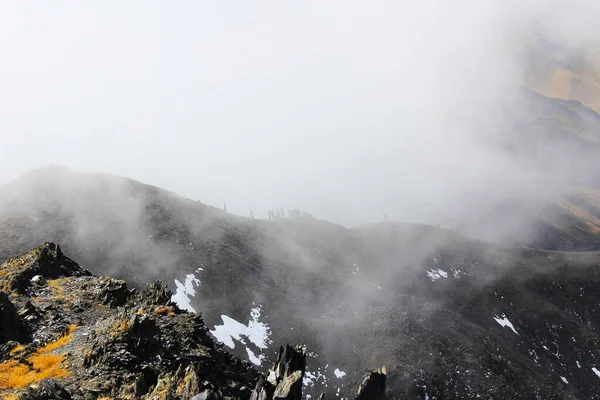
[282, 213]
[277, 215]
[385, 217]
[225, 207]
[270, 214]
[251, 214]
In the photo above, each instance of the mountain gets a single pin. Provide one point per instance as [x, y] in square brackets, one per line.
[68, 334]
[559, 70]
[556, 144]
[449, 316]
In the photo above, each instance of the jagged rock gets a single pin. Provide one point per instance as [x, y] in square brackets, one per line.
[285, 378]
[113, 293]
[263, 390]
[289, 371]
[11, 325]
[145, 381]
[372, 386]
[191, 385]
[156, 293]
[49, 389]
[290, 388]
[29, 312]
[290, 360]
[46, 261]
[146, 348]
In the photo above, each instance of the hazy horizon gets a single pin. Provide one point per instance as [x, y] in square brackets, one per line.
[342, 110]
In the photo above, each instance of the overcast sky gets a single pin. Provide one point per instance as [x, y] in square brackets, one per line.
[347, 109]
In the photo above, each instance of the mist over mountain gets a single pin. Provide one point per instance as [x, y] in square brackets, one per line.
[408, 185]
[264, 107]
[416, 298]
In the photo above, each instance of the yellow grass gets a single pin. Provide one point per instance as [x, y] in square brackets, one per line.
[121, 325]
[41, 365]
[164, 310]
[57, 285]
[17, 350]
[591, 222]
[60, 342]
[10, 396]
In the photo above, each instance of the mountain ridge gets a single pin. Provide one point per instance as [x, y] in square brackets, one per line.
[424, 301]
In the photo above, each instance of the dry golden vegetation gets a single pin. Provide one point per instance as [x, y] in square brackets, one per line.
[10, 396]
[121, 325]
[592, 222]
[164, 310]
[40, 365]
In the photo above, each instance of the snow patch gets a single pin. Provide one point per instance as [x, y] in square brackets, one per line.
[503, 321]
[564, 379]
[254, 359]
[201, 396]
[256, 332]
[377, 286]
[185, 291]
[578, 365]
[311, 378]
[596, 371]
[339, 374]
[436, 274]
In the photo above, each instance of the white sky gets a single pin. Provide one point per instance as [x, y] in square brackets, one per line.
[347, 109]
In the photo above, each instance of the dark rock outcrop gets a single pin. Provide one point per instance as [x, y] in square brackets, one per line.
[47, 261]
[93, 338]
[372, 386]
[284, 380]
[11, 325]
[48, 389]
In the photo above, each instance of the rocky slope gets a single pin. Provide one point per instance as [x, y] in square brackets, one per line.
[556, 69]
[450, 317]
[559, 140]
[99, 339]
[68, 334]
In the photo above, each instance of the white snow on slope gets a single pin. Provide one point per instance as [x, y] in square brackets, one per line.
[436, 274]
[564, 379]
[184, 291]
[310, 378]
[596, 371]
[338, 373]
[254, 359]
[256, 332]
[503, 321]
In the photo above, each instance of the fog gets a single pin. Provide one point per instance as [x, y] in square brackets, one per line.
[342, 109]
[346, 110]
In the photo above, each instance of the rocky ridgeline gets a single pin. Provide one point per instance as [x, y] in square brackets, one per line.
[66, 334]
